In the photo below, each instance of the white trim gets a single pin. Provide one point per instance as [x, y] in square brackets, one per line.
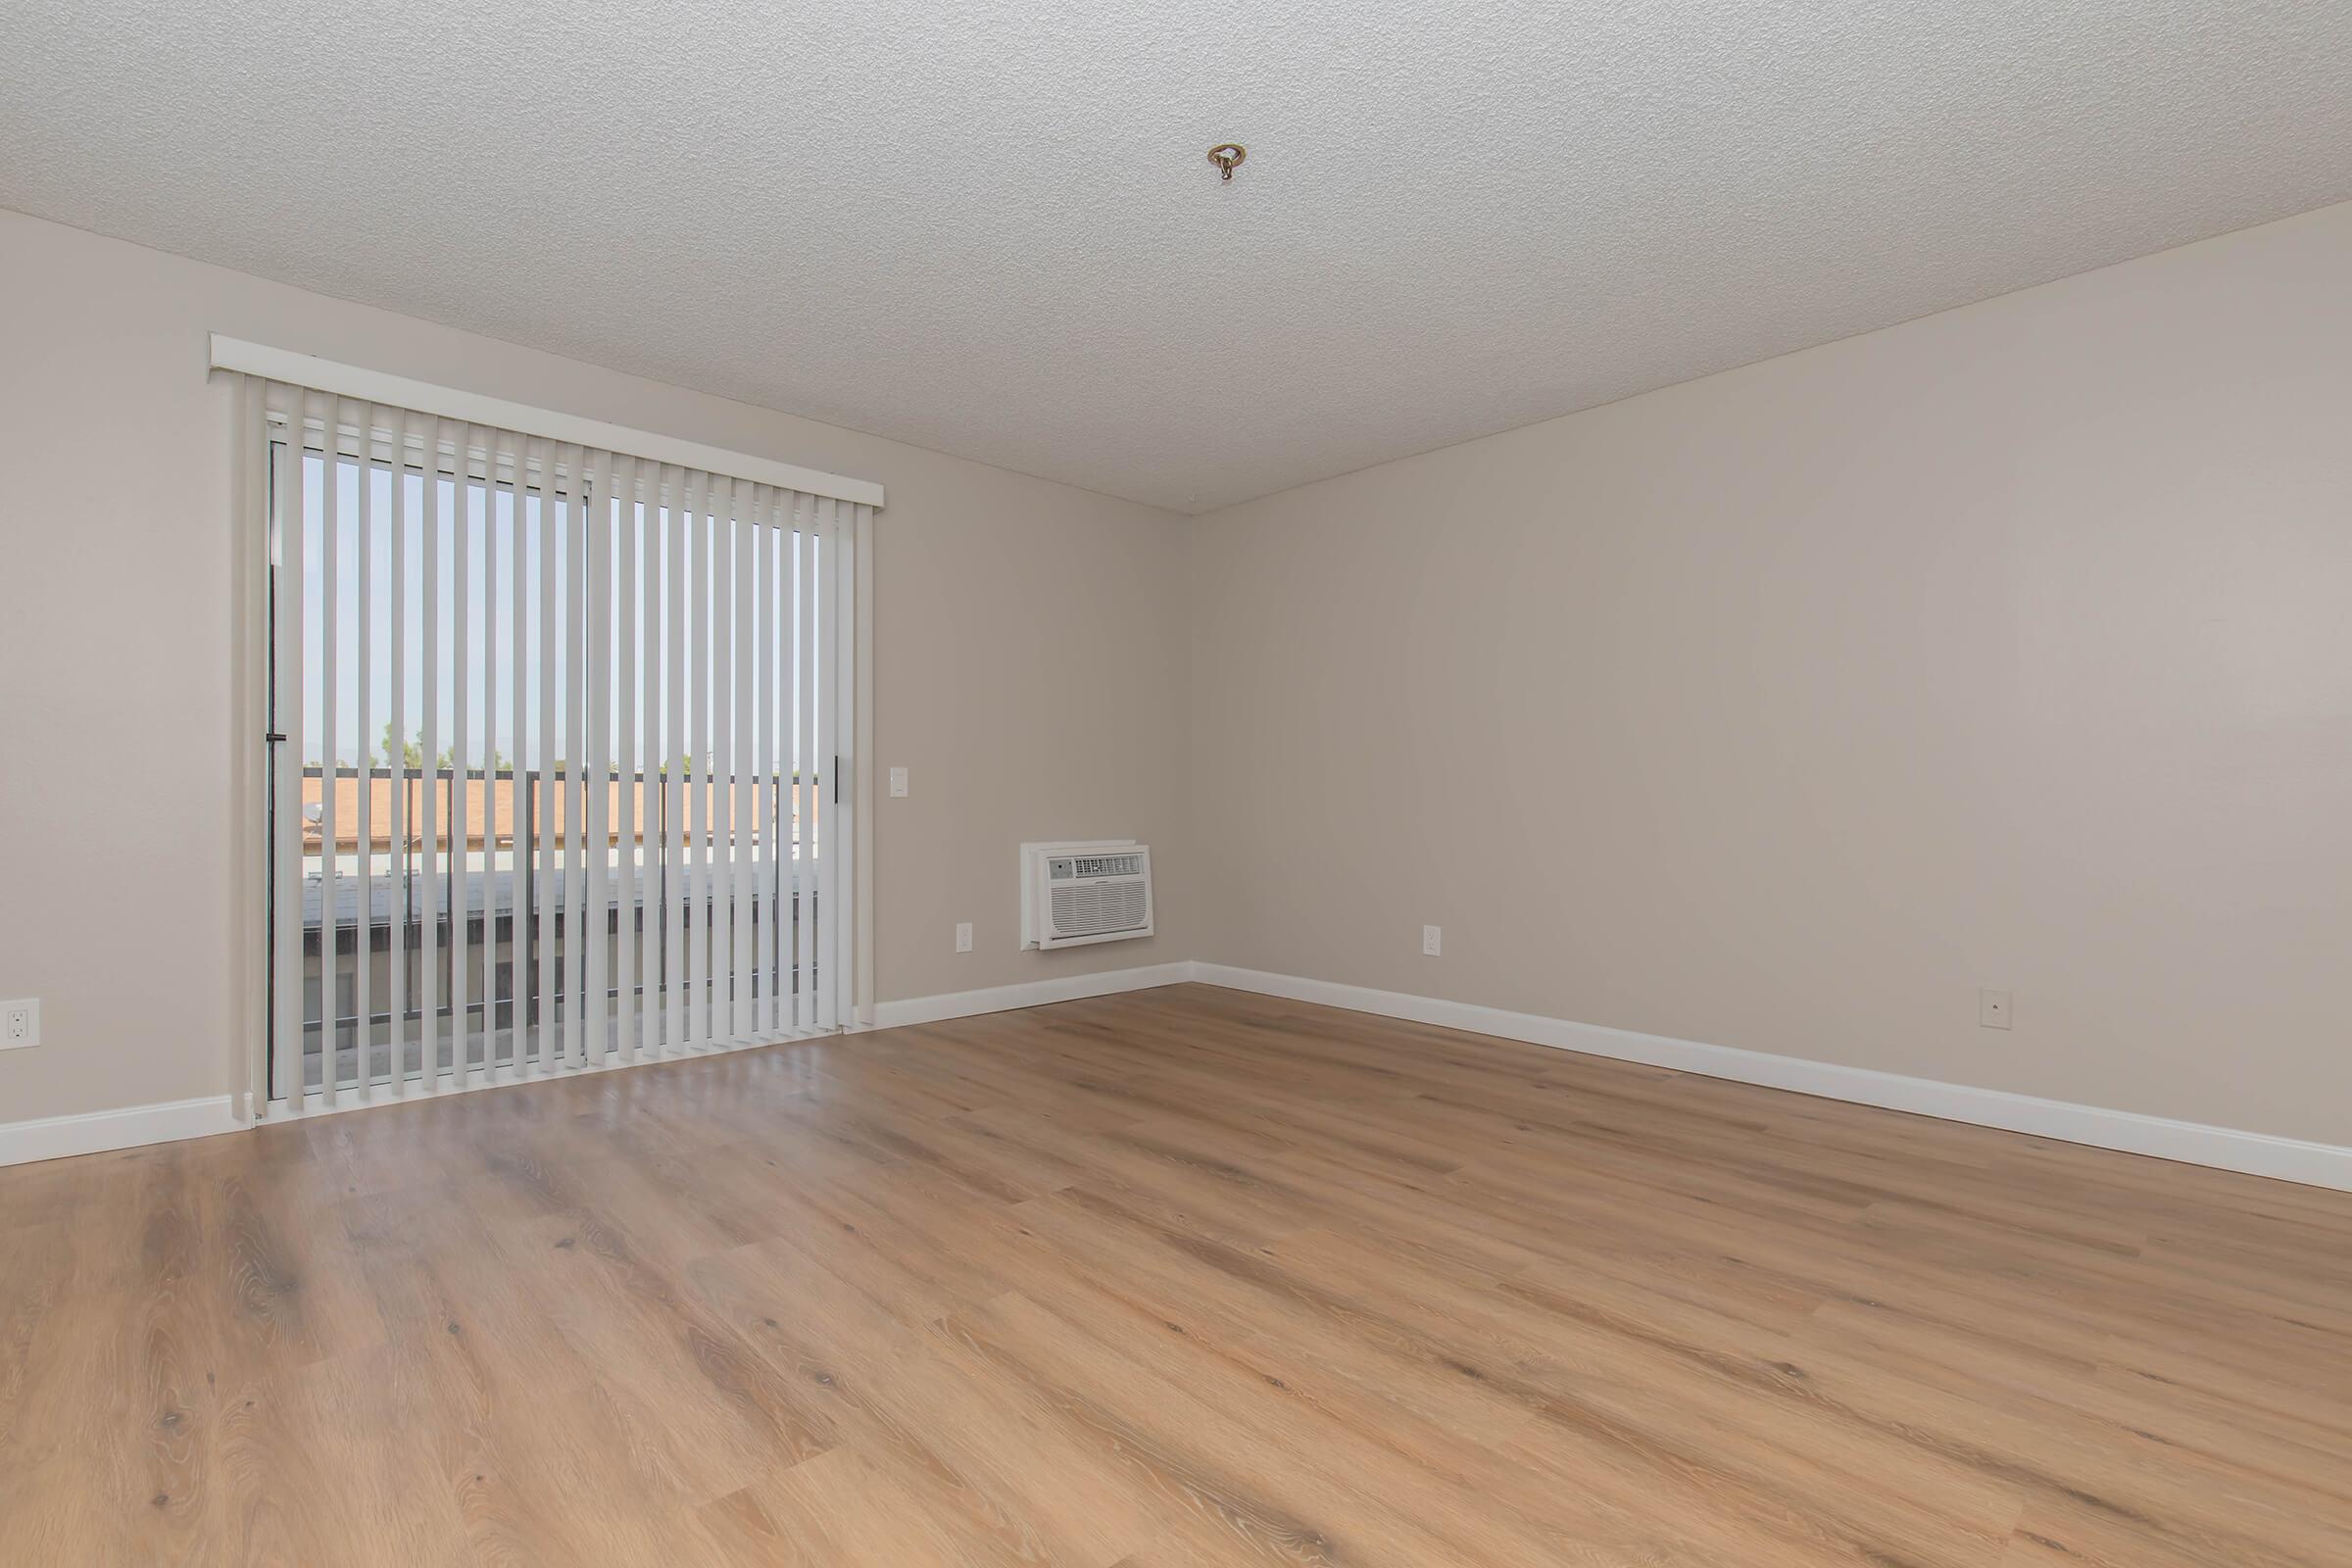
[96, 1131]
[375, 386]
[1028, 994]
[2194, 1143]
[246, 887]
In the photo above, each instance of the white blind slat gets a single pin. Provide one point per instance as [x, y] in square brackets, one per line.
[460, 859]
[430, 892]
[618, 502]
[285, 709]
[742, 1024]
[723, 633]
[649, 733]
[828, 534]
[857, 523]
[545, 564]
[494, 898]
[786, 662]
[763, 736]
[401, 893]
[596, 531]
[804, 1001]
[330, 665]
[697, 761]
[575, 765]
[364, 808]
[518, 848]
[673, 786]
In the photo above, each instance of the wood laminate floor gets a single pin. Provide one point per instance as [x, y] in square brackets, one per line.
[1168, 1280]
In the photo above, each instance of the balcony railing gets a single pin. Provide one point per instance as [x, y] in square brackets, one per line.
[505, 807]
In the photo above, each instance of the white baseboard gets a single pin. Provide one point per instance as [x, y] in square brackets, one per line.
[92, 1132]
[1028, 994]
[2194, 1143]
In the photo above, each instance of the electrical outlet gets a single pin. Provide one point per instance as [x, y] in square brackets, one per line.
[1429, 941]
[898, 783]
[963, 936]
[1992, 1009]
[20, 1023]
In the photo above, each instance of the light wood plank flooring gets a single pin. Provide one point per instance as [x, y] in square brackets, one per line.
[1164, 1280]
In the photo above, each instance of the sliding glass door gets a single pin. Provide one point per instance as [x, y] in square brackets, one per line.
[556, 740]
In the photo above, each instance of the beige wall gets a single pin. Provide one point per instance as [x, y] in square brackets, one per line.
[1782, 708]
[1779, 710]
[119, 834]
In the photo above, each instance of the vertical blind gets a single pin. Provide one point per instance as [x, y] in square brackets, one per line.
[556, 736]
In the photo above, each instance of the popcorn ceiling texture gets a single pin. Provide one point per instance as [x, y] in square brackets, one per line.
[993, 231]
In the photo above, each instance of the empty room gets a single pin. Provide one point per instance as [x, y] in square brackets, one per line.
[854, 784]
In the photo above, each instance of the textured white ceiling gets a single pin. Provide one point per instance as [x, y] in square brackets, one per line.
[991, 230]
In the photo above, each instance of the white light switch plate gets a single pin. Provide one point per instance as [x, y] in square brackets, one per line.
[963, 936]
[898, 782]
[20, 1023]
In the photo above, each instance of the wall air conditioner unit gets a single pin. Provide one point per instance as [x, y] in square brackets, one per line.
[1096, 890]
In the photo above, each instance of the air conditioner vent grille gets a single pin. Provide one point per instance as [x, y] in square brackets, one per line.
[1084, 908]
